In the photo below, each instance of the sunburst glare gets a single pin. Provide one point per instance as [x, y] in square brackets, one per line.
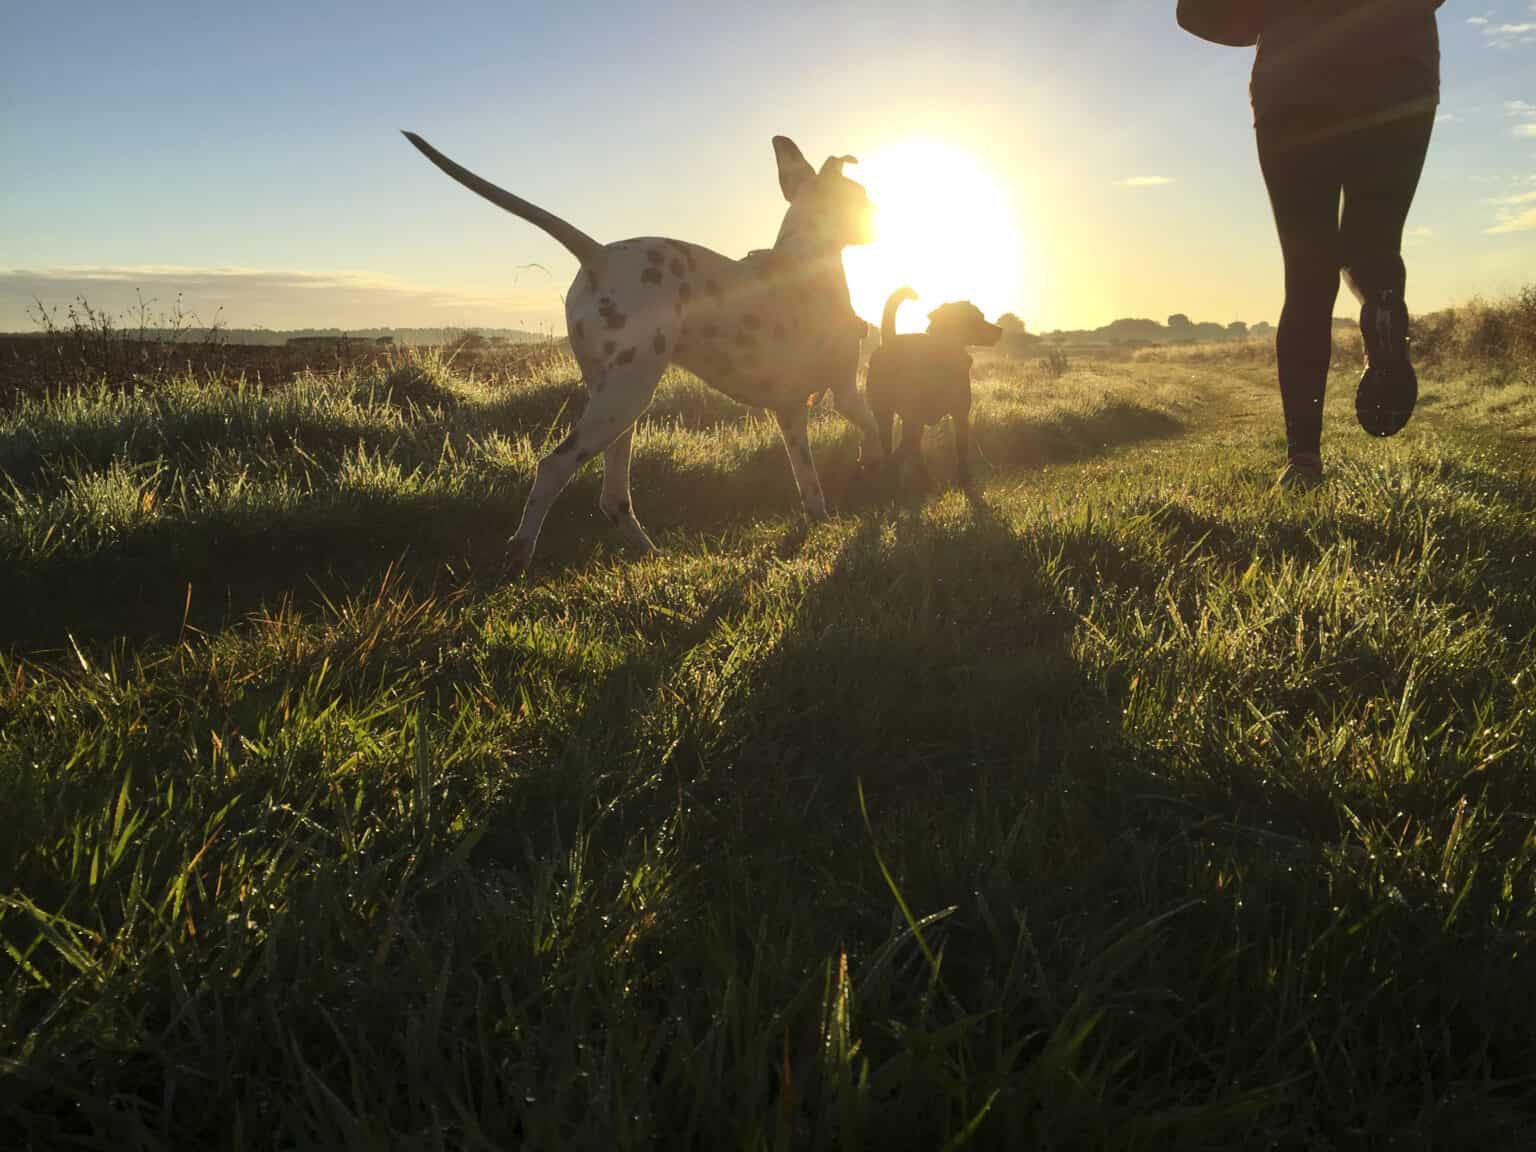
[946, 227]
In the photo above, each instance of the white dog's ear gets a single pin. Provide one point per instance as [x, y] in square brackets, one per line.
[794, 168]
[835, 164]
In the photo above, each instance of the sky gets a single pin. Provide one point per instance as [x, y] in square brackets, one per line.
[248, 156]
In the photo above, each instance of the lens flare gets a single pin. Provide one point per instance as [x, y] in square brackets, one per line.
[945, 226]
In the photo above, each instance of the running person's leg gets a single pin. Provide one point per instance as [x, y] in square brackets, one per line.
[1383, 166]
[1382, 175]
[1304, 188]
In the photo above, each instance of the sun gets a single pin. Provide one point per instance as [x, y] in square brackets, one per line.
[945, 227]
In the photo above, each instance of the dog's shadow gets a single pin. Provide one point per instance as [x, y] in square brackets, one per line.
[134, 588]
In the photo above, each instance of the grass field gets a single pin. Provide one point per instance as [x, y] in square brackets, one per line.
[1130, 804]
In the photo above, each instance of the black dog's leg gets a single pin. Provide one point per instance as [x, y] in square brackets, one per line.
[885, 419]
[910, 448]
[961, 420]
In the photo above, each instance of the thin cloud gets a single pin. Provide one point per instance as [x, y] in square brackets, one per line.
[1515, 209]
[1524, 222]
[1524, 111]
[1513, 201]
[1145, 182]
[1502, 35]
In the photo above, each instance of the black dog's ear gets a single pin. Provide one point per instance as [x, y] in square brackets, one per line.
[835, 164]
[794, 168]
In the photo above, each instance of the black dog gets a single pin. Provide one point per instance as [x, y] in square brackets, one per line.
[924, 377]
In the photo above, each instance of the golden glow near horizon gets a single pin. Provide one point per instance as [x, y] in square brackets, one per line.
[945, 227]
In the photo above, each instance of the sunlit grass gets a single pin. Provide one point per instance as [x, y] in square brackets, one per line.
[1210, 808]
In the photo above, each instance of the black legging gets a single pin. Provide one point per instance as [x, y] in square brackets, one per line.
[1307, 167]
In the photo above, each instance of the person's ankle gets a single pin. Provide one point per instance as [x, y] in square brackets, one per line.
[1303, 471]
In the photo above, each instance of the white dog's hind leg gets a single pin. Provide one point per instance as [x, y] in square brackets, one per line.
[794, 427]
[616, 401]
[615, 500]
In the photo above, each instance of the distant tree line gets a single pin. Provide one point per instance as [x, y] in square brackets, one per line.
[1179, 329]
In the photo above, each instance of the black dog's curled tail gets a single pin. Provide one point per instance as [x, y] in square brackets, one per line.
[888, 320]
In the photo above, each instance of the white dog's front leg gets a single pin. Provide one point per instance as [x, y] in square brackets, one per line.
[794, 426]
[852, 407]
[850, 403]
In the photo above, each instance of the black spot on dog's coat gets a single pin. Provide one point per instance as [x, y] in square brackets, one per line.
[660, 344]
[609, 347]
[625, 356]
[651, 276]
[656, 256]
[685, 250]
[612, 317]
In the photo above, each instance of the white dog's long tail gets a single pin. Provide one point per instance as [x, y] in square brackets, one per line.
[579, 244]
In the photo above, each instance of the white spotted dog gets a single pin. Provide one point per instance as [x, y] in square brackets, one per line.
[768, 331]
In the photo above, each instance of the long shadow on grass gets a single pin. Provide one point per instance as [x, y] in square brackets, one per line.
[1084, 906]
[931, 662]
[135, 588]
[1109, 961]
[407, 417]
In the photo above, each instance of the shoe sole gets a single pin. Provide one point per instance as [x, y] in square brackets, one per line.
[1385, 399]
[1389, 387]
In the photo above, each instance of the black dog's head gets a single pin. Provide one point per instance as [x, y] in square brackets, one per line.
[961, 323]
